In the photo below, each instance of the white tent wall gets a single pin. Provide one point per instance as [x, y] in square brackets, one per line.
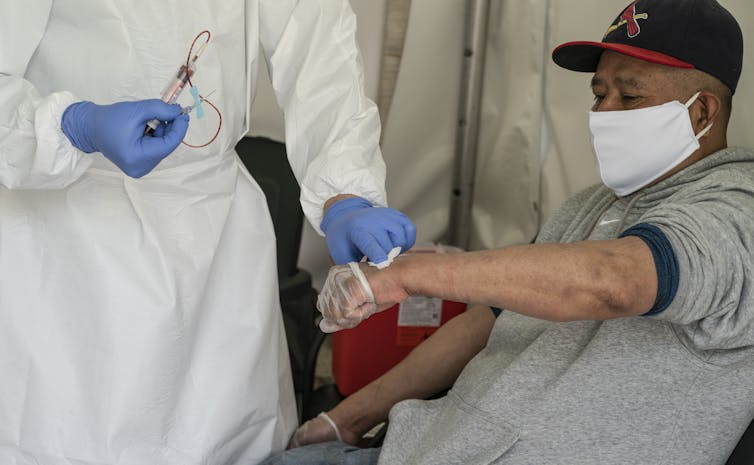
[506, 194]
[420, 131]
[266, 117]
[534, 147]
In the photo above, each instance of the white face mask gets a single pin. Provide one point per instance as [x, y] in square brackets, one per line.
[635, 147]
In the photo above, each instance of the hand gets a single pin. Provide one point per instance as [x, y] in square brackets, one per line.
[347, 298]
[354, 228]
[117, 131]
[321, 429]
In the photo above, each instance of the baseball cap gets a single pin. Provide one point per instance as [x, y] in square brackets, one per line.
[698, 34]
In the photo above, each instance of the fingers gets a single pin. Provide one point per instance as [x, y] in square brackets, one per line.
[402, 230]
[160, 131]
[157, 109]
[346, 299]
[342, 254]
[397, 230]
[176, 130]
[157, 148]
[317, 430]
[374, 246]
[409, 231]
[352, 320]
[329, 326]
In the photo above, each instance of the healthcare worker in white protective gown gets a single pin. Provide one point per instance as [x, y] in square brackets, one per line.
[139, 317]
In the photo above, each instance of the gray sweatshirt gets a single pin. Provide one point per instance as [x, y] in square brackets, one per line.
[672, 388]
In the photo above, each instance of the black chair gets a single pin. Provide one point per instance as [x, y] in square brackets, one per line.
[743, 454]
[267, 162]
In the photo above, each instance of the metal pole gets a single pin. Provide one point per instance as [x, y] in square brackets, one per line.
[396, 27]
[467, 132]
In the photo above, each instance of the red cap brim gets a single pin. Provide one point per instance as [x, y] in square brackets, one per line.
[584, 55]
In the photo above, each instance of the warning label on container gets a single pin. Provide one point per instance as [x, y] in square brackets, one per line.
[420, 311]
[418, 318]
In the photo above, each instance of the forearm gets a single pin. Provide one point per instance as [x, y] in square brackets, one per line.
[558, 282]
[430, 368]
[35, 152]
[332, 137]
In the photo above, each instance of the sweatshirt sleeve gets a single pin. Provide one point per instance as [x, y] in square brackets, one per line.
[332, 129]
[34, 152]
[710, 231]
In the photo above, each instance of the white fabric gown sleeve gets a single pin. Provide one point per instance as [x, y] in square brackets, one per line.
[34, 152]
[332, 129]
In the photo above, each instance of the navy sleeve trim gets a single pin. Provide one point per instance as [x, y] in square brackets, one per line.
[496, 311]
[666, 263]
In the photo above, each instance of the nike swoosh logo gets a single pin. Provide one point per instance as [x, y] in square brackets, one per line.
[606, 222]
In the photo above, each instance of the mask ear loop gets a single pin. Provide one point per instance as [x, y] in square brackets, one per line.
[688, 105]
[693, 99]
[704, 131]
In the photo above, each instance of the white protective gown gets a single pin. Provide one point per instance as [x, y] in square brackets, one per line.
[139, 319]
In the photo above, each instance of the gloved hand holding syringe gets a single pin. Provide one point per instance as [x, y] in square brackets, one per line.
[124, 132]
[177, 84]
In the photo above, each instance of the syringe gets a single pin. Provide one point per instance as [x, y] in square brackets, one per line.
[175, 87]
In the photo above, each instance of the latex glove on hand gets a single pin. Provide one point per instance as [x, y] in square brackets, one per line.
[354, 228]
[117, 131]
[320, 429]
[347, 298]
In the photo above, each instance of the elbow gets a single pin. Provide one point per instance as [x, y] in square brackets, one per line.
[616, 300]
[615, 289]
[623, 289]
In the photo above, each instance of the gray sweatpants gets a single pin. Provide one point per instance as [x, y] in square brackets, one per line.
[326, 453]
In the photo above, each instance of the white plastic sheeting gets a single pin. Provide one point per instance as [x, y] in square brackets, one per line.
[534, 142]
[506, 196]
[420, 132]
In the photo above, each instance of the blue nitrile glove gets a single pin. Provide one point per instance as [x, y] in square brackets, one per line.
[354, 228]
[117, 131]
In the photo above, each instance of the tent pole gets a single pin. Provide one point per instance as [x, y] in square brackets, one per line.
[467, 131]
[396, 26]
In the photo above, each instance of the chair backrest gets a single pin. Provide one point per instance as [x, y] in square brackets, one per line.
[267, 162]
[743, 454]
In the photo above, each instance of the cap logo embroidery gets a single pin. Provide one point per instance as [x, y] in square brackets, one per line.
[630, 19]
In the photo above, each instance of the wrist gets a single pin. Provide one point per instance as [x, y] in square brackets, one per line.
[401, 272]
[355, 418]
[345, 429]
[74, 125]
[336, 199]
[335, 209]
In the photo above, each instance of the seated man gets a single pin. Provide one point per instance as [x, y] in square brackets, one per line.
[628, 329]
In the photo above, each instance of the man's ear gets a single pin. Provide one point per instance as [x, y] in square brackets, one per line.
[705, 111]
